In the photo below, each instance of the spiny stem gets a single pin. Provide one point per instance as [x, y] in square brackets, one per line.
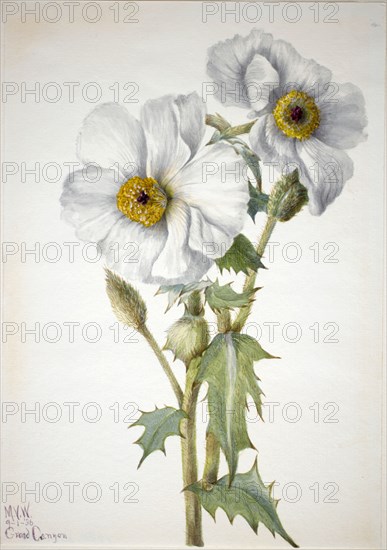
[224, 320]
[244, 312]
[163, 362]
[211, 466]
[193, 511]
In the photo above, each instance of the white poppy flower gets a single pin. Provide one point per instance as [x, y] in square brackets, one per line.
[305, 120]
[173, 208]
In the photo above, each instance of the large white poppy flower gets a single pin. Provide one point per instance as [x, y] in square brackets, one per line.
[304, 119]
[171, 208]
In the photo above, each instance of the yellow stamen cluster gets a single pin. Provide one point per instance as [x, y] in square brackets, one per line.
[142, 200]
[297, 115]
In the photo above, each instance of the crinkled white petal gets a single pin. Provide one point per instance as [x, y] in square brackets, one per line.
[296, 72]
[342, 117]
[324, 171]
[131, 249]
[179, 262]
[227, 65]
[192, 114]
[174, 128]
[215, 183]
[111, 136]
[208, 239]
[90, 206]
[260, 80]
[270, 144]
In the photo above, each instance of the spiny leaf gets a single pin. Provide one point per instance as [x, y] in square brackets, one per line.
[219, 297]
[257, 203]
[218, 122]
[235, 131]
[158, 424]
[173, 292]
[241, 256]
[182, 292]
[246, 496]
[224, 130]
[251, 159]
[228, 367]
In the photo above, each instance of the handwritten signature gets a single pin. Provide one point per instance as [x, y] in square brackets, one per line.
[20, 525]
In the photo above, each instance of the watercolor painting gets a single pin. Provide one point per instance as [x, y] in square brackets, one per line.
[169, 196]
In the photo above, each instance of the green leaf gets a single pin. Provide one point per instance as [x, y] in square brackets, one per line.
[235, 131]
[241, 256]
[251, 159]
[257, 203]
[228, 367]
[218, 122]
[219, 297]
[246, 496]
[158, 424]
[181, 292]
[224, 131]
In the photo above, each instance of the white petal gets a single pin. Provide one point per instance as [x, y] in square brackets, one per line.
[214, 183]
[324, 171]
[174, 258]
[167, 150]
[192, 111]
[343, 117]
[90, 207]
[208, 239]
[178, 262]
[270, 144]
[296, 72]
[260, 79]
[228, 62]
[131, 248]
[111, 136]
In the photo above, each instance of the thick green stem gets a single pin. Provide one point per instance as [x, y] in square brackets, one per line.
[211, 466]
[163, 362]
[193, 511]
[244, 312]
[224, 320]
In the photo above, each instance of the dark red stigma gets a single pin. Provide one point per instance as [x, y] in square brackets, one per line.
[143, 198]
[296, 114]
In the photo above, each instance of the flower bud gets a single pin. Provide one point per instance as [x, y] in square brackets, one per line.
[126, 302]
[287, 198]
[188, 337]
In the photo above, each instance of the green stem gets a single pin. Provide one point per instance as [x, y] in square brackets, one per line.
[211, 466]
[163, 362]
[244, 312]
[193, 511]
[224, 320]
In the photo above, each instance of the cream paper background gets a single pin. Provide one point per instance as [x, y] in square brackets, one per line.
[165, 52]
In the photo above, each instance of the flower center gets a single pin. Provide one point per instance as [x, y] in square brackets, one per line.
[142, 200]
[297, 115]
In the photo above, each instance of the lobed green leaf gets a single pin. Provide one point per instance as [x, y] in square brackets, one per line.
[159, 424]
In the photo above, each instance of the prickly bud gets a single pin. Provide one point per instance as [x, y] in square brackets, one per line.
[188, 337]
[287, 198]
[126, 302]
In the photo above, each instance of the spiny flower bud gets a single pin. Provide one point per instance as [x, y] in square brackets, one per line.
[188, 337]
[126, 302]
[287, 198]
